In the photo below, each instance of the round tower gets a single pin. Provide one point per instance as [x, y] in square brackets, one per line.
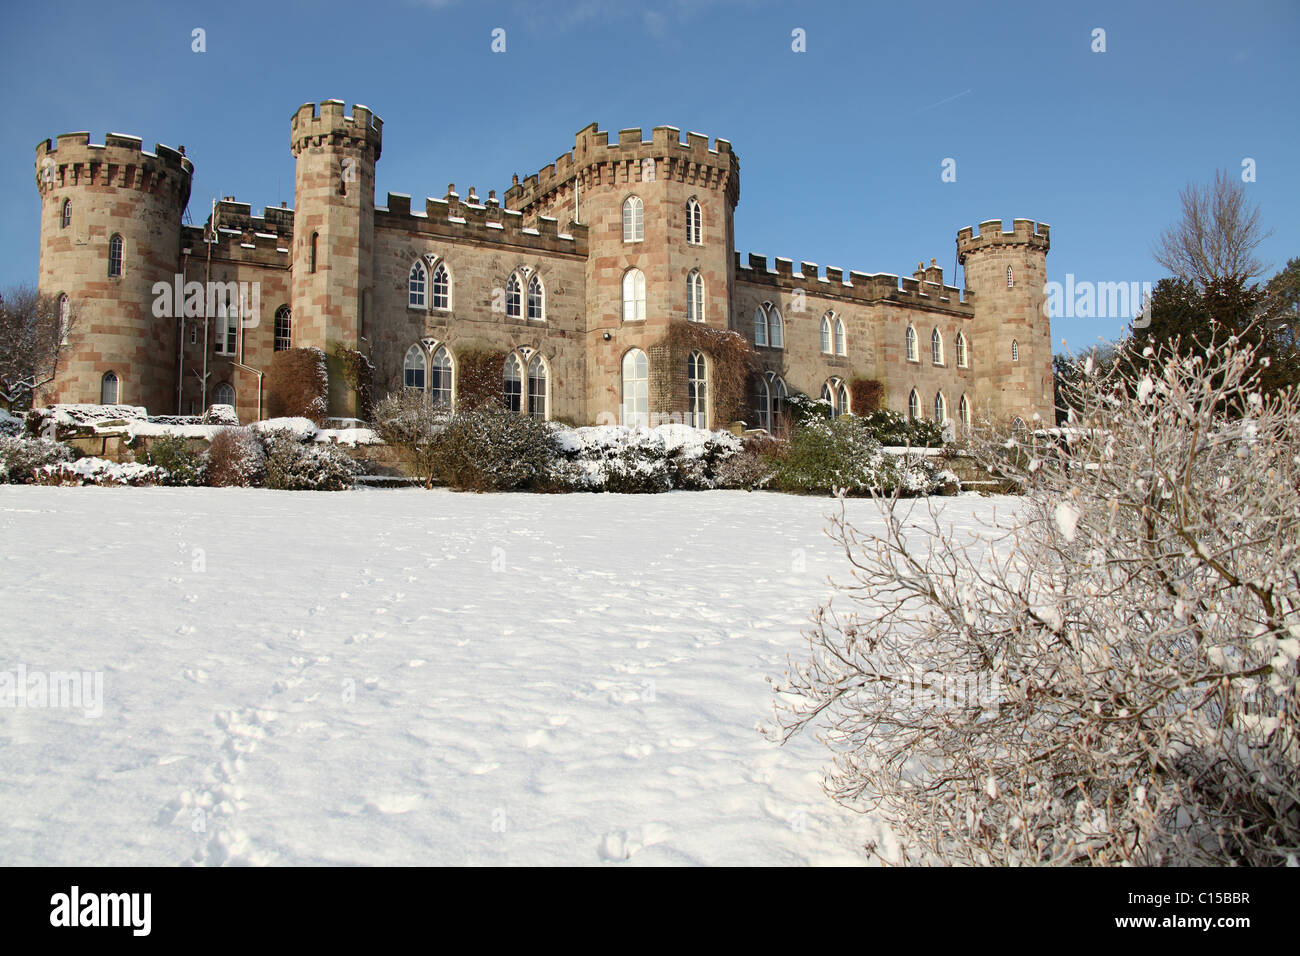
[111, 229]
[683, 197]
[333, 229]
[1011, 351]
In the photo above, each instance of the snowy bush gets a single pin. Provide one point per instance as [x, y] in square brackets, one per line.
[895, 430]
[752, 467]
[98, 471]
[1108, 674]
[614, 458]
[491, 449]
[21, 457]
[292, 465]
[408, 421]
[695, 455]
[172, 454]
[827, 454]
[10, 424]
[221, 415]
[234, 459]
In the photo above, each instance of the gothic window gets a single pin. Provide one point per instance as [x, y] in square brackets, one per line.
[697, 380]
[415, 284]
[936, 347]
[440, 377]
[633, 219]
[224, 394]
[108, 391]
[694, 222]
[536, 299]
[283, 329]
[514, 302]
[827, 347]
[695, 296]
[769, 330]
[115, 255]
[633, 295]
[837, 396]
[413, 368]
[65, 218]
[538, 378]
[962, 359]
[914, 405]
[227, 328]
[940, 408]
[636, 389]
[513, 392]
[1011, 280]
[912, 354]
[762, 404]
[441, 287]
[963, 411]
[841, 342]
[1015, 351]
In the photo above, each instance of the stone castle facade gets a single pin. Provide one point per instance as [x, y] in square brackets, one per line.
[575, 274]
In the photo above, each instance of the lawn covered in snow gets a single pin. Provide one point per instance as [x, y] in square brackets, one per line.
[415, 677]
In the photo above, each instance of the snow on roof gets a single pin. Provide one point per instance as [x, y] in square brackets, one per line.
[528, 230]
[459, 219]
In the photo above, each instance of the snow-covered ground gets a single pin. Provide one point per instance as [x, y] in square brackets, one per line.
[414, 677]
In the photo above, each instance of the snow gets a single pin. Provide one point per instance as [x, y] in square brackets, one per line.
[416, 677]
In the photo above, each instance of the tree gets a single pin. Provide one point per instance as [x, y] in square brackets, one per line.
[406, 419]
[1216, 236]
[34, 341]
[1106, 675]
[1066, 370]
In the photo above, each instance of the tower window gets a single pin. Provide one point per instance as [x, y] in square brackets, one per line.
[636, 389]
[1011, 279]
[312, 263]
[694, 222]
[224, 394]
[283, 329]
[115, 255]
[65, 219]
[633, 295]
[697, 380]
[633, 219]
[695, 296]
[1015, 351]
[108, 390]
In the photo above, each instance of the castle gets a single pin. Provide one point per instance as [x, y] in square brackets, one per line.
[573, 277]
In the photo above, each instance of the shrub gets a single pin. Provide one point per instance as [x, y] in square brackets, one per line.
[297, 386]
[220, 415]
[479, 375]
[20, 457]
[804, 410]
[172, 454]
[825, 455]
[98, 471]
[613, 458]
[733, 364]
[359, 375]
[294, 465]
[234, 459]
[694, 455]
[1119, 683]
[752, 467]
[10, 424]
[406, 420]
[896, 430]
[491, 449]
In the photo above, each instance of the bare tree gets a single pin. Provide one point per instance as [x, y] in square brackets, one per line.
[34, 338]
[1216, 236]
[1108, 674]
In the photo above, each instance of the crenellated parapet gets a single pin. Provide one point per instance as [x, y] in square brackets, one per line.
[469, 220]
[330, 125]
[1024, 232]
[860, 287]
[594, 161]
[121, 161]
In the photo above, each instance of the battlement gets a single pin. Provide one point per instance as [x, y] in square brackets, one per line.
[242, 237]
[121, 160]
[691, 160]
[310, 126]
[485, 221]
[861, 287]
[1023, 233]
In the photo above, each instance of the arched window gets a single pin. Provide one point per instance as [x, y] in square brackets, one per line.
[697, 382]
[536, 299]
[828, 346]
[227, 327]
[841, 340]
[633, 219]
[115, 255]
[224, 394]
[695, 296]
[633, 295]
[283, 329]
[636, 389]
[769, 330]
[837, 396]
[514, 303]
[413, 368]
[1011, 280]
[779, 396]
[315, 236]
[415, 286]
[1015, 351]
[1018, 427]
[65, 218]
[963, 411]
[65, 318]
[440, 377]
[762, 404]
[913, 405]
[936, 347]
[694, 222]
[538, 377]
[940, 408]
[441, 287]
[108, 391]
[512, 395]
[912, 354]
[962, 359]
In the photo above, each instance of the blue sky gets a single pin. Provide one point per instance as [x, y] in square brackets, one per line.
[840, 146]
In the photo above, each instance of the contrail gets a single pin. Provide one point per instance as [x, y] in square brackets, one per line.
[948, 100]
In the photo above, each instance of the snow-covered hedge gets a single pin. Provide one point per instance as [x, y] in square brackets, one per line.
[99, 471]
[295, 465]
[10, 424]
[824, 454]
[640, 460]
[21, 457]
